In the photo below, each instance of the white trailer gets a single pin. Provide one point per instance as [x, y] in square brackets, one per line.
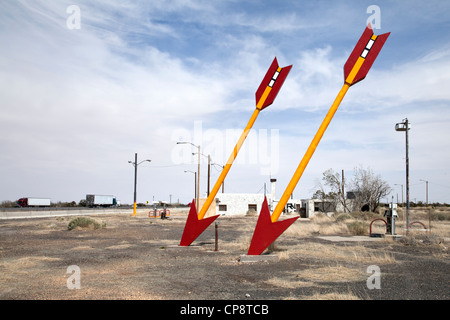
[95, 200]
[34, 202]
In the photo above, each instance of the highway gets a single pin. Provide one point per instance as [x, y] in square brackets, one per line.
[29, 213]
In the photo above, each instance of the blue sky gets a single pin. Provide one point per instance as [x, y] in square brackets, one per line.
[138, 76]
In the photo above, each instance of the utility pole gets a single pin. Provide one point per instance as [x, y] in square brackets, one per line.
[135, 164]
[198, 170]
[135, 183]
[404, 126]
[209, 173]
[407, 174]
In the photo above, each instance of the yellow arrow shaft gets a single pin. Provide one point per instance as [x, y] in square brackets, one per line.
[312, 147]
[233, 155]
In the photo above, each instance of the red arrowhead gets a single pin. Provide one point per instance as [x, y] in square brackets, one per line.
[278, 80]
[267, 231]
[368, 50]
[194, 227]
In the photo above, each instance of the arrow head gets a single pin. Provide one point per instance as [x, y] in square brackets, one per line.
[273, 79]
[363, 55]
[194, 227]
[267, 231]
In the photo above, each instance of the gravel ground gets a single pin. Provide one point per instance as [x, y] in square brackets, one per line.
[139, 258]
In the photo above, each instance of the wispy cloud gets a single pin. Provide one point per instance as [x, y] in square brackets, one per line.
[77, 104]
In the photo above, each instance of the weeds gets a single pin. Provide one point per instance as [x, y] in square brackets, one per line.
[357, 228]
[83, 222]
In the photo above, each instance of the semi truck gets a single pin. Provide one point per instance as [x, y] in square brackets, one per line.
[95, 200]
[33, 202]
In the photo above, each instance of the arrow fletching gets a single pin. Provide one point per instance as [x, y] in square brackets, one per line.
[363, 55]
[271, 84]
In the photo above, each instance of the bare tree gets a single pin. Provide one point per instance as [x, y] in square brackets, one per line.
[328, 200]
[334, 181]
[369, 188]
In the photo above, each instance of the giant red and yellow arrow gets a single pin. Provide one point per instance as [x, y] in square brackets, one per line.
[265, 95]
[355, 69]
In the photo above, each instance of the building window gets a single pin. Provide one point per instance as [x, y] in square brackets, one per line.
[222, 207]
[252, 207]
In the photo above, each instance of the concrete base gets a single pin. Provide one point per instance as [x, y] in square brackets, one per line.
[349, 238]
[260, 258]
[393, 237]
[177, 246]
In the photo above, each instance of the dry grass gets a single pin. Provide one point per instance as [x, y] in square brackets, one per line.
[336, 273]
[317, 225]
[332, 296]
[289, 283]
[319, 277]
[331, 252]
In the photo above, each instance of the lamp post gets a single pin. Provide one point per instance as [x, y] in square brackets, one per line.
[396, 184]
[223, 182]
[209, 170]
[135, 164]
[405, 126]
[426, 181]
[198, 170]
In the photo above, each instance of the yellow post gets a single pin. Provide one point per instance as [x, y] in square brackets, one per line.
[233, 155]
[312, 147]
[227, 167]
[134, 209]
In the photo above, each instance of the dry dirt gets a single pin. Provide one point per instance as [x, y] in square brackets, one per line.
[139, 258]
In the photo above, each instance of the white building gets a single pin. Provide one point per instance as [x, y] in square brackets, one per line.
[239, 203]
[251, 203]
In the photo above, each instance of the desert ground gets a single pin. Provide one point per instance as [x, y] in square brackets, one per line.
[137, 257]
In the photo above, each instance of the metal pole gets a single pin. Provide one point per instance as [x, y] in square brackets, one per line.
[195, 186]
[429, 211]
[198, 179]
[209, 172]
[217, 236]
[227, 167]
[309, 153]
[135, 183]
[407, 175]
[392, 217]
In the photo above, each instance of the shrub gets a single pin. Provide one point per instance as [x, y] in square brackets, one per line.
[83, 222]
[364, 215]
[357, 228]
[440, 216]
[342, 217]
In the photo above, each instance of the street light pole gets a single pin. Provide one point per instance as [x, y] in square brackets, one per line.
[427, 190]
[198, 171]
[407, 174]
[135, 164]
[404, 126]
[135, 183]
[209, 171]
[223, 182]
